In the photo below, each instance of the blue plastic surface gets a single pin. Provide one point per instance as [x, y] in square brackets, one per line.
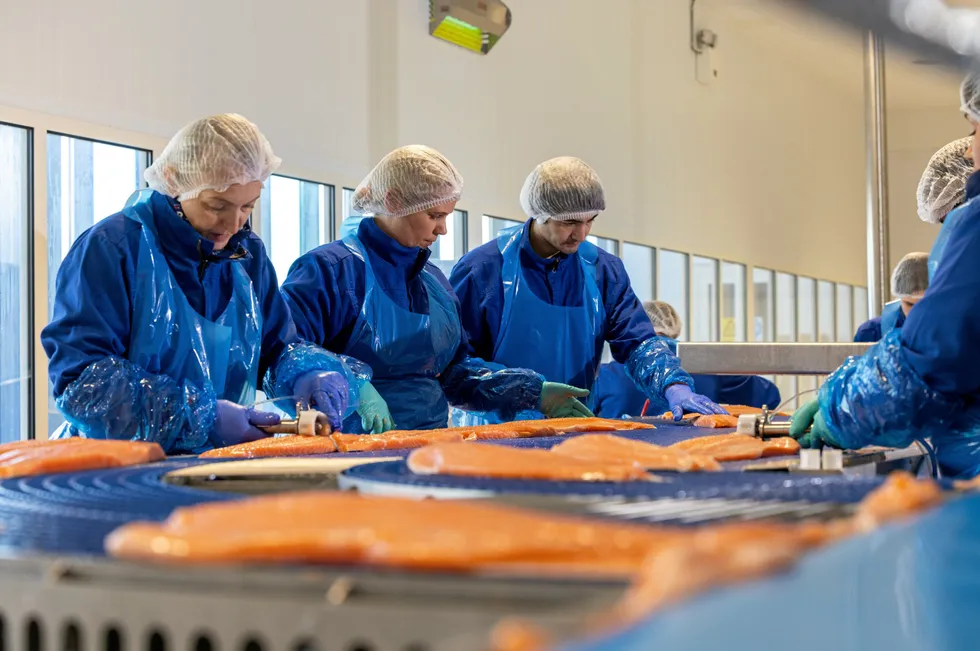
[908, 587]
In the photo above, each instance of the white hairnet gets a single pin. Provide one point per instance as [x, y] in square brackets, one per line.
[970, 96]
[911, 276]
[666, 321]
[212, 153]
[410, 179]
[564, 189]
[943, 184]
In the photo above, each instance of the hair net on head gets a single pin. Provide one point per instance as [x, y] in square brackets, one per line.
[666, 321]
[943, 184]
[564, 189]
[970, 96]
[406, 181]
[213, 153]
[911, 275]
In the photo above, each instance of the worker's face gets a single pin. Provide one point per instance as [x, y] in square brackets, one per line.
[909, 302]
[566, 236]
[217, 216]
[420, 229]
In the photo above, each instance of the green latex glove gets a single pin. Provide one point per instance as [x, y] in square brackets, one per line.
[809, 416]
[561, 401]
[373, 410]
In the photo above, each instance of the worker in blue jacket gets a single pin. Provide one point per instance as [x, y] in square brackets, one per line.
[616, 395]
[167, 314]
[541, 296]
[375, 296]
[910, 279]
[920, 381]
[942, 187]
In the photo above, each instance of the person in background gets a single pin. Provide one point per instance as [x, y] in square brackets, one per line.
[616, 395]
[919, 381]
[943, 184]
[168, 314]
[910, 278]
[376, 297]
[541, 296]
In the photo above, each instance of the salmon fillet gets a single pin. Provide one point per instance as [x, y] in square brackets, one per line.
[333, 527]
[716, 421]
[616, 449]
[394, 440]
[281, 446]
[27, 458]
[899, 496]
[737, 447]
[549, 427]
[484, 460]
[719, 421]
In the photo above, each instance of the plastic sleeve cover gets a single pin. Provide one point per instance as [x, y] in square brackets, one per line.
[116, 399]
[476, 385]
[653, 367]
[300, 358]
[878, 399]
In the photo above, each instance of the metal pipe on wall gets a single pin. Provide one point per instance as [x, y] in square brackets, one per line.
[879, 266]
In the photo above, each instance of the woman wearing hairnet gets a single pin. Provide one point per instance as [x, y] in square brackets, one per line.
[616, 395]
[543, 297]
[943, 184]
[168, 313]
[910, 278]
[920, 381]
[375, 297]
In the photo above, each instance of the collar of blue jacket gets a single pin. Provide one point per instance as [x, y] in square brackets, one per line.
[178, 239]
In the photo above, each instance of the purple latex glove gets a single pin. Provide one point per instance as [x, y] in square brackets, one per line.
[326, 392]
[681, 399]
[235, 424]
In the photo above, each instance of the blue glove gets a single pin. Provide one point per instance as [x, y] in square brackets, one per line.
[325, 391]
[809, 417]
[681, 399]
[235, 424]
[375, 417]
[560, 401]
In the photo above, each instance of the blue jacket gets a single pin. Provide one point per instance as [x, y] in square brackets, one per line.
[616, 395]
[325, 293]
[870, 331]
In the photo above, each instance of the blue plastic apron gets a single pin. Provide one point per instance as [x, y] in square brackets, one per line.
[951, 223]
[556, 341]
[405, 350]
[890, 315]
[169, 337]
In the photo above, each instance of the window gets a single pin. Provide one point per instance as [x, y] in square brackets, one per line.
[297, 216]
[15, 271]
[860, 307]
[704, 306]
[493, 225]
[732, 301]
[764, 319]
[348, 200]
[672, 284]
[845, 323]
[606, 244]
[806, 310]
[450, 247]
[825, 311]
[639, 263]
[786, 329]
[87, 181]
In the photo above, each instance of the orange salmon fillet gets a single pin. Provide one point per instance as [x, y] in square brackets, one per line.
[612, 449]
[394, 440]
[26, 458]
[549, 427]
[281, 446]
[333, 527]
[716, 421]
[485, 460]
[737, 447]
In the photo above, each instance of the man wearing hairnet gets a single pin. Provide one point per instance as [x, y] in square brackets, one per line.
[376, 297]
[541, 296]
[919, 381]
[616, 395]
[910, 279]
[943, 184]
[168, 314]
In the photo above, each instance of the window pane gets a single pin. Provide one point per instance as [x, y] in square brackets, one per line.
[672, 284]
[825, 311]
[704, 309]
[845, 324]
[348, 199]
[297, 216]
[732, 301]
[806, 310]
[449, 248]
[764, 317]
[15, 362]
[606, 244]
[638, 260]
[860, 307]
[493, 225]
[87, 181]
[785, 307]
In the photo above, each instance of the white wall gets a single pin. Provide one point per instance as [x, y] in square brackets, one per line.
[764, 166]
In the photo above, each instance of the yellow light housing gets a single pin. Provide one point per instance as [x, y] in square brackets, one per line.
[475, 25]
